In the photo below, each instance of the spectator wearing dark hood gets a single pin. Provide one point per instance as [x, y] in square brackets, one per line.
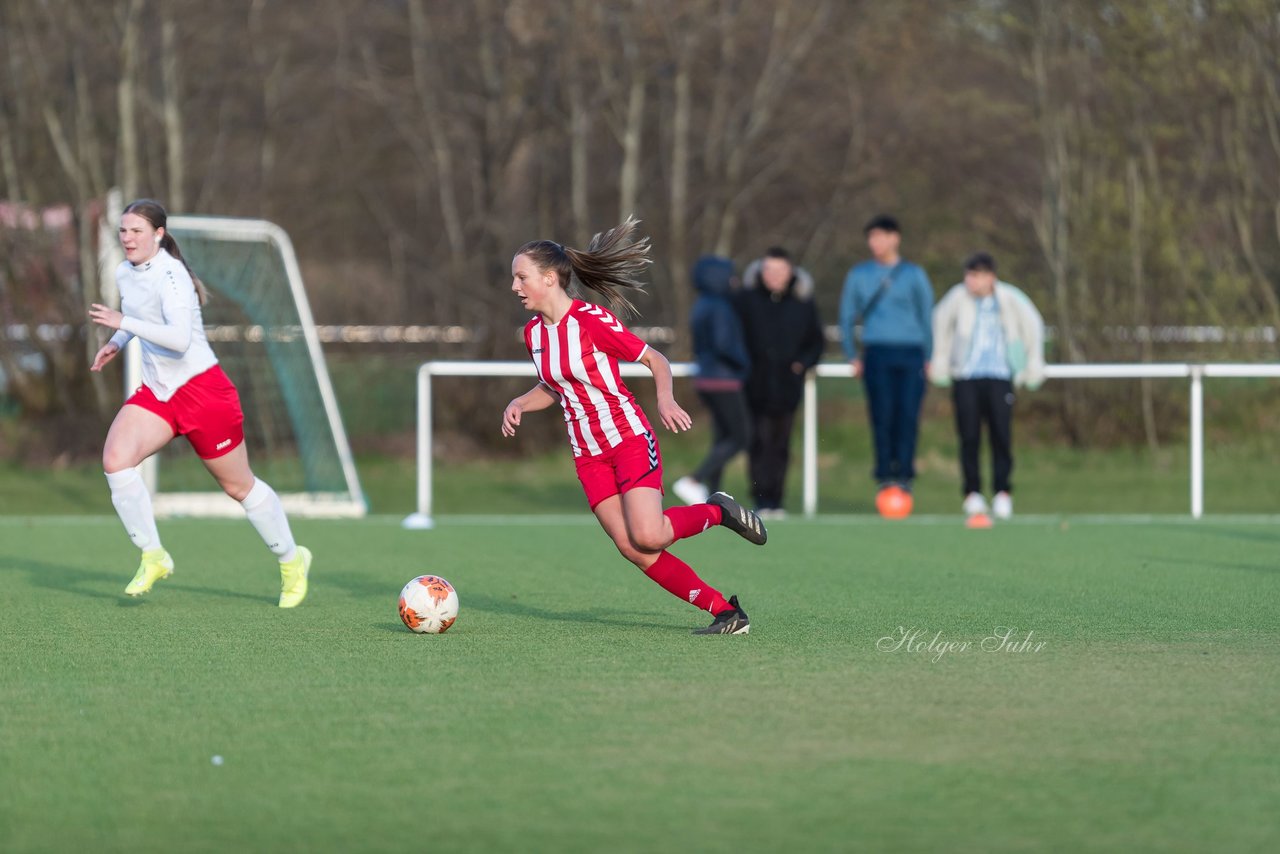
[722, 365]
[784, 340]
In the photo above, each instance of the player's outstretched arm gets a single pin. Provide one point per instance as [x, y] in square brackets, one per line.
[538, 397]
[672, 416]
[105, 354]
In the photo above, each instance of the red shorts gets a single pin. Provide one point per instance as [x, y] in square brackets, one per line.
[635, 462]
[206, 410]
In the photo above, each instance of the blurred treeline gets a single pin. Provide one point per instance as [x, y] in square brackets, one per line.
[1120, 159]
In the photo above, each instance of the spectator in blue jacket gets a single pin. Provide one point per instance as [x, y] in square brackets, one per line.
[721, 355]
[891, 301]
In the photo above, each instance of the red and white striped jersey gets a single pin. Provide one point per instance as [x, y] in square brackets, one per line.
[578, 359]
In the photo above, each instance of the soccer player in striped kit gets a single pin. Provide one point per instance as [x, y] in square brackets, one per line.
[575, 346]
[184, 392]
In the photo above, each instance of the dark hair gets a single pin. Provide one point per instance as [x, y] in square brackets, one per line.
[154, 213]
[882, 223]
[980, 262]
[778, 252]
[610, 265]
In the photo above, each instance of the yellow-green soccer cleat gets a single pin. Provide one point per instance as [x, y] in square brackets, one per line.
[293, 578]
[156, 564]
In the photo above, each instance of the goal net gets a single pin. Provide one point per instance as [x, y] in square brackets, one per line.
[260, 326]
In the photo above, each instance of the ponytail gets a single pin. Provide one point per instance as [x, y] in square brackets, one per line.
[168, 244]
[610, 266]
[154, 213]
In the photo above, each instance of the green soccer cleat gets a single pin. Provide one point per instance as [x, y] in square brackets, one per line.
[156, 564]
[293, 578]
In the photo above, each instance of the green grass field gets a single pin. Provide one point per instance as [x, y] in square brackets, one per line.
[1048, 480]
[569, 709]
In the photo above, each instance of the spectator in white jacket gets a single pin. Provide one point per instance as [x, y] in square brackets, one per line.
[988, 338]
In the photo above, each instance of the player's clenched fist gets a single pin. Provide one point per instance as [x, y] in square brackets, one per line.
[511, 418]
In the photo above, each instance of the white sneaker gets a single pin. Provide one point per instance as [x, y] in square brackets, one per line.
[1002, 505]
[690, 491]
[974, 504]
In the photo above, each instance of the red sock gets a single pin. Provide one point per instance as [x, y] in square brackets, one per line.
[678, 578]
[691, 520]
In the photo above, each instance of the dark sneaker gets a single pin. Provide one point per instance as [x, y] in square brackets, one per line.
[739, 519]
[730, 622]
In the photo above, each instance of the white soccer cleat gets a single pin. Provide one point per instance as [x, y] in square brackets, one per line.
[974, 504]
[690, 491]
[1002, 505]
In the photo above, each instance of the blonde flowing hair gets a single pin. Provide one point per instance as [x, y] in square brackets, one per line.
[610, 266]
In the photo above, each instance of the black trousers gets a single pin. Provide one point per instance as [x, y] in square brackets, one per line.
[770, 454]
[731, 433]
[976, 402]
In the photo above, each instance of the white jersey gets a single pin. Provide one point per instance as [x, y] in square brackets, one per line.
[160, 306]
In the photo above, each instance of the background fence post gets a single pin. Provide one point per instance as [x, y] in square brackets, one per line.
[1197, 441]
[810, 444]
[421, 518]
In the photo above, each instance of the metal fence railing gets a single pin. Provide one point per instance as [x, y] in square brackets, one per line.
[1195, 373]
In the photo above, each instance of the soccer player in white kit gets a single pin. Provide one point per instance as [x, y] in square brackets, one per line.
[185, 393]
[575, 347]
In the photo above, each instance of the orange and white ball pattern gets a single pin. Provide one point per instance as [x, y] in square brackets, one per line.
[428, 605]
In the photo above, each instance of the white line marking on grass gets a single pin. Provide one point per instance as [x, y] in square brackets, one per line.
[86, 521]
[871, 519]
[469, 520]
[29, 521]
[1039, 519]
[586, 519]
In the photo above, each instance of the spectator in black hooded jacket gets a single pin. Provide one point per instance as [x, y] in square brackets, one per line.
[722, 360]
[784, 340]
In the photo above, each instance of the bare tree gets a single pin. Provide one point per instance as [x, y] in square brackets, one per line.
[1125, 158]
[579, 125]
[174, 133]
[128, 155]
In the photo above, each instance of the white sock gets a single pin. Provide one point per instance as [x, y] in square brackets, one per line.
[133, 506]
[267, 515]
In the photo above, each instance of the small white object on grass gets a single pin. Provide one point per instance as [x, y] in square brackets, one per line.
[217, 760]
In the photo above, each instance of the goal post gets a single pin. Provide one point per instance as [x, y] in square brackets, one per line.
[260, 326]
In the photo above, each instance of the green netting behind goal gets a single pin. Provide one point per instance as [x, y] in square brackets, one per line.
[260, 327]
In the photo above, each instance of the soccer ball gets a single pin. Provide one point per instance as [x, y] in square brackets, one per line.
[428, 605]
[894, 502]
